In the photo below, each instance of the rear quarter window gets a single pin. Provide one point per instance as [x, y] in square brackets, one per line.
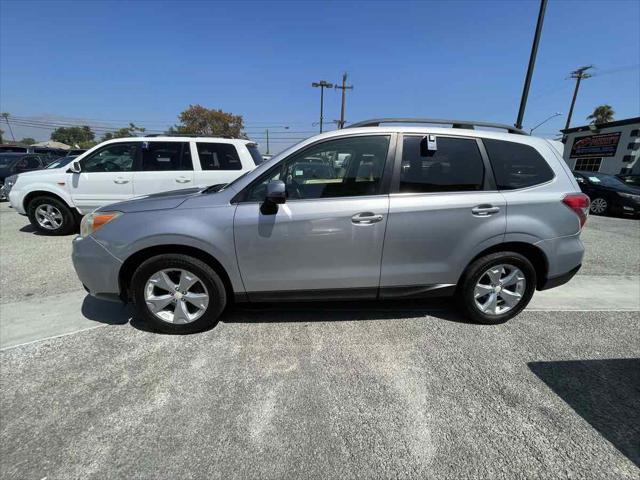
[516, 165]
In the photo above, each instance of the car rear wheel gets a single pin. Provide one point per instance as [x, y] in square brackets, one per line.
[599, 206]
[51, 216]
[497, 287]
[178, 293]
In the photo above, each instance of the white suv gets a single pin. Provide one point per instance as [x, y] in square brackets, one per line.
[116, 170]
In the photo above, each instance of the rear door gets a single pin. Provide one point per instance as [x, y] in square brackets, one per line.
[106, 176]
[163, 166]
[218, 163]
[443, 207]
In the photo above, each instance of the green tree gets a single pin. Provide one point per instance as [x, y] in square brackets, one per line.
[131, 131]
[81, 136]
[27, 141]
[198, 120]
[602, 114]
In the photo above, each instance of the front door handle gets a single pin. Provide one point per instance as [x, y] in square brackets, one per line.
[366, 218]
[182, 180]
[120, 181]
[484, 210]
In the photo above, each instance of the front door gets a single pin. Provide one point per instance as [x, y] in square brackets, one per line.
[326, 240]
[106, 177]
[443, 207]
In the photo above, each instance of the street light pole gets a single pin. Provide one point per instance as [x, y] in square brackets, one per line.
[532, 63]
[322, 84]
[557, 114]
[578, 74]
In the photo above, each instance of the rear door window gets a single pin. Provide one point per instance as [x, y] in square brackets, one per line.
[516, 165]
[218, 156]
[454, 166]
[166, 156]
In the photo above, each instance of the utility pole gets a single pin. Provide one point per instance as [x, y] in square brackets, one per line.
[5, 115]
[322, 84]
[532, 63]
[267, 141]
[578, 74]
[344, 89]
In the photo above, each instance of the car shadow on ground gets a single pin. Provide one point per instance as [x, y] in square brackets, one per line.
[28, 228]
[606, 393]
[114, 313]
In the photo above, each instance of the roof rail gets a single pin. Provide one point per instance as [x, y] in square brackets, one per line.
[192, 135]
[465, 124]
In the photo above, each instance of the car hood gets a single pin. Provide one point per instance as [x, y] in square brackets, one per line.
[156, 201]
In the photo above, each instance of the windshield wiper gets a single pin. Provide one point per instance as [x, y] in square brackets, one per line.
[214, 188]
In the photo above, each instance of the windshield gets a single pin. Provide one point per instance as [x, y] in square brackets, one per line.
[61, 162]
[603, 179]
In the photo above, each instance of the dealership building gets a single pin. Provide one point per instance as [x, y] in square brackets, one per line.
[612, 147]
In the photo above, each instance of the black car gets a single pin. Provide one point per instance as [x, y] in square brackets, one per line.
[609, 194]
[11, 164]
[633, 180]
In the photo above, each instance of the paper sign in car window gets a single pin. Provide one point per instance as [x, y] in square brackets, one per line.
[594, 179]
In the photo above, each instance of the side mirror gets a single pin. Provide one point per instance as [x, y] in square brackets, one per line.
[276, 192]
[75, 167]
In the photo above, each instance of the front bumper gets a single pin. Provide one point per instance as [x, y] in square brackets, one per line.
[96, 268]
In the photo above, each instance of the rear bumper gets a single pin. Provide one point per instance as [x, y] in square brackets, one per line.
[560, 279]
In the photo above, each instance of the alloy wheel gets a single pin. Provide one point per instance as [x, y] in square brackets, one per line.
[176, 296]
[499, 289]
[49, 217]
[598, 206]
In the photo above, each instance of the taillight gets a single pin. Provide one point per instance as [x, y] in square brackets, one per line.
[579, 203]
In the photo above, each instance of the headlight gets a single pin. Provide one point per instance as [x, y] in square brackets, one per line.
[630, 196]
[10, 182]
[92, 222]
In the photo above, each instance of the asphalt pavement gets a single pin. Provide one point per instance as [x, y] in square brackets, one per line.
[341, 390]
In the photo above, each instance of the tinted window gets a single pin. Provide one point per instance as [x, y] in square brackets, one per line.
[255, 154]
[456, 166]
[218, 156]
[344, 167]
[33, 162]
[166, 156]
[118, 157]
[516, 165]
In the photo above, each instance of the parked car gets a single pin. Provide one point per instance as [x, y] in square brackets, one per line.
[464, 217]
[14, 149]
[74, 152]
[119, 169]
[12, 164]
[633, 180]
[609, 194]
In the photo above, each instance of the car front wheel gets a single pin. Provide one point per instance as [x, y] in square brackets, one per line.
[497, 287]
[178, 293]
[51, 216]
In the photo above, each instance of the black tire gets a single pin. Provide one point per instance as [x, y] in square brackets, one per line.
[209, 278]
[69, 221]
[607, 206]
[473, 275]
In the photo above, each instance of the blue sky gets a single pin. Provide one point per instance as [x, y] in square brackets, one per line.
[114, 62]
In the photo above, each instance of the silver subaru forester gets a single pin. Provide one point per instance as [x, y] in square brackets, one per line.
[379, 210]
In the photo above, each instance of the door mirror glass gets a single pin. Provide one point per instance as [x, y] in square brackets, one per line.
[75, 167]
[276, 192]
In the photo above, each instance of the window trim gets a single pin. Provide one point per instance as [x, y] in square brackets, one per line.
[488, 181]
[385, 180]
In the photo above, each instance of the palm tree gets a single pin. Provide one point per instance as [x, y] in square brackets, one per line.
[602, 114]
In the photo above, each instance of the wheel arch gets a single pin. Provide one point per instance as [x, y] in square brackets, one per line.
[534, 254]
[130, 265]
[45, 193]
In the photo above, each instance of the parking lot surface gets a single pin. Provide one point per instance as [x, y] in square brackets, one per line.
[340, 390]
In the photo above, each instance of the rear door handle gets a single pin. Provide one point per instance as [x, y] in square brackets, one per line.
[366, 218]
[484, 210]
[120, 180]
[182, 180]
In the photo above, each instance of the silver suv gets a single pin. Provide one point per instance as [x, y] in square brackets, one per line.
[375, 211]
